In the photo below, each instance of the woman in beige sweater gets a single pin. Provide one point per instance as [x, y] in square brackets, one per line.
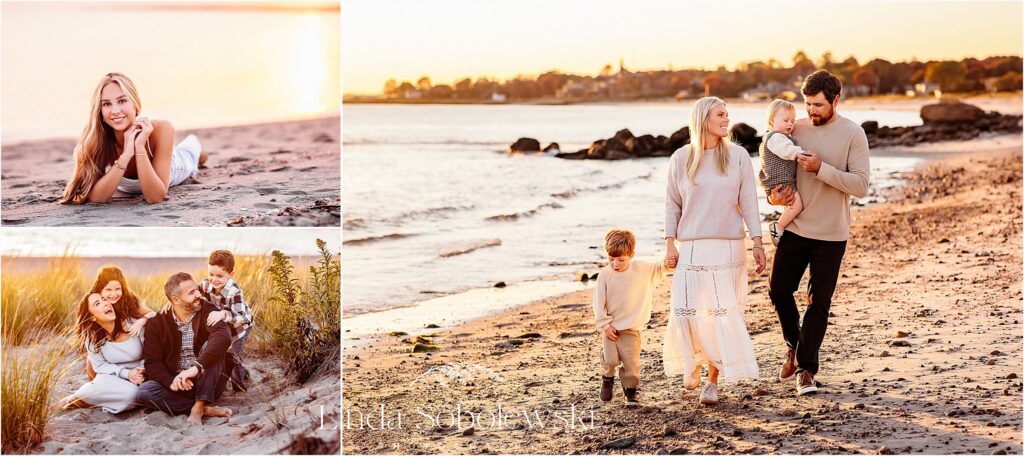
[710, 197]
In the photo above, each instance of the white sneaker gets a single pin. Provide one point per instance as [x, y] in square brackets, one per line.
[710, 394]
[805, 384]
[776, 234]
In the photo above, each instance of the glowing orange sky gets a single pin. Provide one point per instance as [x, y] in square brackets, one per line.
[449, 40]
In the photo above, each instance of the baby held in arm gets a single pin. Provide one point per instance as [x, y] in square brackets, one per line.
[779, 154]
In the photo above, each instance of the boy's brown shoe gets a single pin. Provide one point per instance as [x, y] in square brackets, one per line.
[788, 371]
[632, 396]
[606, 388]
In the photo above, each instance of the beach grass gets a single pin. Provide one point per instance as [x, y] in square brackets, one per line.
[29, 379]
[37, 303]
[306, 313]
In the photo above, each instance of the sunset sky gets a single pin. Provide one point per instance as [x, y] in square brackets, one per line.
[194, 64]
[452, 39]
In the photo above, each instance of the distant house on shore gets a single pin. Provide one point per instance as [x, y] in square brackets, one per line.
[499, 97]
[764, 92]
[572, 89]
[922, 89]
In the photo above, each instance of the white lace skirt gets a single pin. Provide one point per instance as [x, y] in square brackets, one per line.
[709, 295]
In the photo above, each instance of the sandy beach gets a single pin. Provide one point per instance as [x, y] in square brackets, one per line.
[281, 174]
[923, 354]
[277, 417]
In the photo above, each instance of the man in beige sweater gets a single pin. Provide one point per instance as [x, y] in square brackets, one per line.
[837, 168]
[622, 308]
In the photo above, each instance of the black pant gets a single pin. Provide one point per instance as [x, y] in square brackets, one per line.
[204, 388]
[792, 257]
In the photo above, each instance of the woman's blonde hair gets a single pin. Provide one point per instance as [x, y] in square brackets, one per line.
[97, 147]
[775, 107]
[699, 114]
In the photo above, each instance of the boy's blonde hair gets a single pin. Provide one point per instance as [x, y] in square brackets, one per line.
[775, 107]
[619, 242]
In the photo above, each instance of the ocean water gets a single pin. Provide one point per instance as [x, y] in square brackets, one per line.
[435, 210]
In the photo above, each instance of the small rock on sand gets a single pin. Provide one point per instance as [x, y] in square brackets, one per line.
[619, 444]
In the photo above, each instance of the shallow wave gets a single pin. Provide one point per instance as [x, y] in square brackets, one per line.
[442, 142]
[416, 214]
[373, 239]
[471, 248]
[597, 188]
[517, 215]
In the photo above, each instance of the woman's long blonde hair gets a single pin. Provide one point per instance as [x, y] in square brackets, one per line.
[97, 148]
[699, 114]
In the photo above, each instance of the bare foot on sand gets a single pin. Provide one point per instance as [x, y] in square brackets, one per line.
[198, 410]
[213, 410]
[202, 158]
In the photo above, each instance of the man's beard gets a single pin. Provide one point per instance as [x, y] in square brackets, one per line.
[822, 120]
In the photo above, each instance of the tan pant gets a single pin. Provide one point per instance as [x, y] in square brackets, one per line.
[625, 351]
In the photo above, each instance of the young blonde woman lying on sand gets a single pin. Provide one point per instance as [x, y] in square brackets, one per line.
[121, 150]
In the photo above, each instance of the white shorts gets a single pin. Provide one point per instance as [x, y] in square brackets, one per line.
[184, 164]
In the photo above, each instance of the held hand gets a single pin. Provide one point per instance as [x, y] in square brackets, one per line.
[611, 334]
[760, 259]
[136, 327]
[780, 196]
[216, 316]
[136, 376]
[810, 161]
[671, 256]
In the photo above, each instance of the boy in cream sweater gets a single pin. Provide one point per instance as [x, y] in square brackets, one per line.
[622, 308]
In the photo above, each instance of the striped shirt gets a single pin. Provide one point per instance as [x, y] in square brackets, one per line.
[230, 299]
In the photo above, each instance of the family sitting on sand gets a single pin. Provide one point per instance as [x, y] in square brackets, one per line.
[122, 150]
[178, 360]
[710, 197]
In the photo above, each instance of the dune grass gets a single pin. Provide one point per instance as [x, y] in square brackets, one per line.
[29, 379]
[37, 303]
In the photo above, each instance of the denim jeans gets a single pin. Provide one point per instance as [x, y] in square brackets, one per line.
[239, 374]
[153, 395]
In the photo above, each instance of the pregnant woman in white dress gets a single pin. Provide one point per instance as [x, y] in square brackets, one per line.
[115, 355]
[710, 198]
[122, 150]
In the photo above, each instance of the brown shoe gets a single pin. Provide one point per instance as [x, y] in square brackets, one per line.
[788, 371]
[805, 383]
[632, 396]
[606, 388]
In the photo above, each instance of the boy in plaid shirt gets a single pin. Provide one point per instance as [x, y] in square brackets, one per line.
[225, 294]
